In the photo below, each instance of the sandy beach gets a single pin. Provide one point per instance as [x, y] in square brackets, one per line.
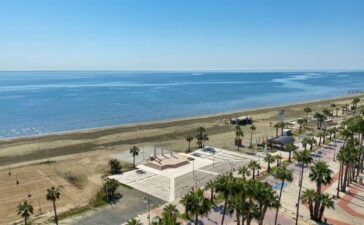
[168, 132]
[84, 154]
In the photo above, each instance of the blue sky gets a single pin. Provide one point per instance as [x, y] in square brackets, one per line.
[182, 34]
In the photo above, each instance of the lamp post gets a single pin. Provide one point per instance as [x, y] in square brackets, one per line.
[193, 167]
[148, 201]
[335, 151]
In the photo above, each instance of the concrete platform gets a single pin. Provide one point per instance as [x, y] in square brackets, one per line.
[171, 183]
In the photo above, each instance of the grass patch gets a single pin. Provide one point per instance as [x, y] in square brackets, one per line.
[98, 201]
[72, 212]
[45, 162]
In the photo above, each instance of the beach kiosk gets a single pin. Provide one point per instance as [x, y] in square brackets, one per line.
[242, 120]
[280, 142]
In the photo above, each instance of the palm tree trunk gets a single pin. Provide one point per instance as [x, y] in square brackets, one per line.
[251, 139]
[322, 209]
[237, 217]
[55, 212]
[25, 220]
[338, 181]
[196, 219]
[134, 161]
[224, 211]
[279, 200]
[212, 195]
[320, 141]
[261, 218]
[299, 194]
[317, 202]
[289, 156]
[189, 146]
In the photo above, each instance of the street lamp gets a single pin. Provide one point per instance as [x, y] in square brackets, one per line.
[193, 167]
[148, 201]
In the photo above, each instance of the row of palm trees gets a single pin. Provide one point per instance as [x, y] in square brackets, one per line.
[351, 156]
[270, 158]
[25, 208]
[248, 199]
[170, 215]
[201, 138]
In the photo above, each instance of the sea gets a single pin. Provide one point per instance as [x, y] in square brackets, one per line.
[38, 103]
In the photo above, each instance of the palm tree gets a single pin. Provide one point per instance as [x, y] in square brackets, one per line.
[224, 185]
[308, 197]
[337, 111]
[197, 204]
[252, 129]
[283, 174]
[134, 151]
[115, 166]
[332, 105]
[344, 109]
[254, 165]
[355, 101]
[304, 158]
[269, 158]
[307, 110]
[327, 113]
[244, 171]
[170, 215]
[211, 186]
[205, 138]
[320, 135]
[201, 136]
[278, 159]
[300, 122]
[109, 188]
[52, 195]
[320, 119]
[134, 222]
[290, 148]
[312, 142]
[238, 135]
[321, 174]
[189, 138]
[281, 125]
[25, 209]
[266, 198]
[305, 141]
[326, 201]
[277, 126]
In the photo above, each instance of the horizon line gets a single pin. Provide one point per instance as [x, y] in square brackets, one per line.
[191, 70]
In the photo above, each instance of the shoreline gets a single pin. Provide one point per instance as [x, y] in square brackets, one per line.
[106, 141]
[172, 120]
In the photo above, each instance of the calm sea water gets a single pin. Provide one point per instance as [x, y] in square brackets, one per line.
[33, 103]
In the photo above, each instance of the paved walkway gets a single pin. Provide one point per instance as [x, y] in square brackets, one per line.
[346, 201]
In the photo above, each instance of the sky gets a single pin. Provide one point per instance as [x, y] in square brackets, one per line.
[181, 34]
